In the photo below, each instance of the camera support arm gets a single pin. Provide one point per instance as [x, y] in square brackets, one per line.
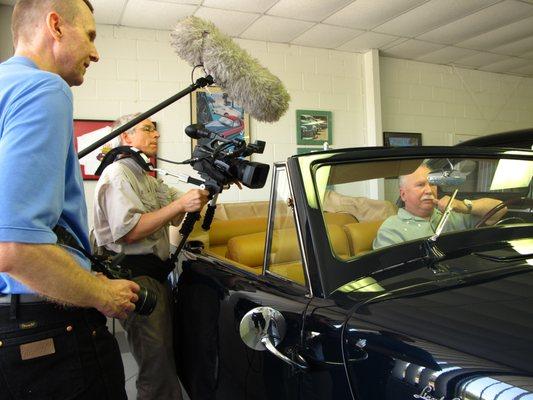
[192, 217]
[181, 177]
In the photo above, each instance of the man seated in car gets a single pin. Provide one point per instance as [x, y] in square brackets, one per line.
[422, 211]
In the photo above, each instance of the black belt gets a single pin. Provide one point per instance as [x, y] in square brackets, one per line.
[5, 299]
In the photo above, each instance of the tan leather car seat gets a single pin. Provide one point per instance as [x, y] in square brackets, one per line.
[361, 235]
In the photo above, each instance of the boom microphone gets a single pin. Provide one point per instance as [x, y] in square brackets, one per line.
[248, 83]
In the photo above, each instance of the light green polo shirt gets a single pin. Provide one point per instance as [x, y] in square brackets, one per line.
[405, 226]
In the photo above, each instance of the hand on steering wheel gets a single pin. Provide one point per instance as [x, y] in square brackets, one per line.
[499, 207]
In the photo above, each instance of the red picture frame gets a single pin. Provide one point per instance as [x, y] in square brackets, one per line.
[96, 129]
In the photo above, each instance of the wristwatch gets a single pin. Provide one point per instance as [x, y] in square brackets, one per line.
[468, 204]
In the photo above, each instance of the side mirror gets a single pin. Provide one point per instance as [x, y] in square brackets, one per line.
[263, 328]
[262, 323]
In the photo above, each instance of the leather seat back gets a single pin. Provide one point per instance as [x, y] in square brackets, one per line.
[249, 249]
[361, 235]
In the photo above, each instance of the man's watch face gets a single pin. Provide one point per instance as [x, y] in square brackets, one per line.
[468, 204]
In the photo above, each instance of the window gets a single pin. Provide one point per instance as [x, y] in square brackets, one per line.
[283, 256]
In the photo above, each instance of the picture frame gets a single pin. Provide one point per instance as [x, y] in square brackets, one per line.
[313, 127]
[88, 131]
[402, 139]
[307, 150]
[212, 107]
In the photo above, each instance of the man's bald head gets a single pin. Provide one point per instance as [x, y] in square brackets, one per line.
[29, 15]
[416, 193]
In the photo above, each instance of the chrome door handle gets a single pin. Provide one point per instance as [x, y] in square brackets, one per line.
[302, 364]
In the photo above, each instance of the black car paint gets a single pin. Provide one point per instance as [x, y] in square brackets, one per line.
[436, 320]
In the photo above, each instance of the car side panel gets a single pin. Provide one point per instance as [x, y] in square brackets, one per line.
[213, 360]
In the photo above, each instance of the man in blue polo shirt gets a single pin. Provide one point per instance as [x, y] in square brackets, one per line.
[54, 341]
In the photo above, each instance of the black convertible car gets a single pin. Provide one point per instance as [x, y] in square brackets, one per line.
[307, 309]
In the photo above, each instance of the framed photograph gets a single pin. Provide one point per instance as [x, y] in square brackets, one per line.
[88, 131]
[220, 114]
[401, 139]
[306, 150]
[313, 127]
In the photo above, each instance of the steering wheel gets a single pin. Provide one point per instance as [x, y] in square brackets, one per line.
[499, 207]
[517, 220]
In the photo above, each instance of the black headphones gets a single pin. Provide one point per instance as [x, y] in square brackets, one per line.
[139, 157]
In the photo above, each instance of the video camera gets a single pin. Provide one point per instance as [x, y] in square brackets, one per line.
[219, 160]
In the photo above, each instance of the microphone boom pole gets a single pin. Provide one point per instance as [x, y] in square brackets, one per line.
[200, 82]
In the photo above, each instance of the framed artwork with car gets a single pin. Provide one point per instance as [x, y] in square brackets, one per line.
[313, 127]
[213, 108]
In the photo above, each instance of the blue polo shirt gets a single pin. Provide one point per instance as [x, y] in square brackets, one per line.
[40, 180]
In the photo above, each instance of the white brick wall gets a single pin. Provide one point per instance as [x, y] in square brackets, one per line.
[6, 40]
[447, 104]
[138, 69]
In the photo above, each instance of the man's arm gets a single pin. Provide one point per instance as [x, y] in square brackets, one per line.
[480, 207]
[53, 273]
[151, 222]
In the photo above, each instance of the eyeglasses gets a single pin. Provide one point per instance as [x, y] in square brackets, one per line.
[148, 129]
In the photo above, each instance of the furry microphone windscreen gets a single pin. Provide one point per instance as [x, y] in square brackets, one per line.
[249, 84]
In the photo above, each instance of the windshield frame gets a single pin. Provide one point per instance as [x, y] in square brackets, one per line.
[332, 272]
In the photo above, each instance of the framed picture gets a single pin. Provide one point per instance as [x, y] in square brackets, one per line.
[220, 114]
[306, 150]
[313, 127]
[88, 131]
[401, 139]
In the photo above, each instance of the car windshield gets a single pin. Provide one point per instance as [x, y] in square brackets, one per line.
[380, 204]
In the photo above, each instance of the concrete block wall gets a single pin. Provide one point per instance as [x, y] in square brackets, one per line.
[6, 40]
[450, 104]
[138, 69]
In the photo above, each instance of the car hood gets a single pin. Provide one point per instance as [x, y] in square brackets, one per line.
[450, 328]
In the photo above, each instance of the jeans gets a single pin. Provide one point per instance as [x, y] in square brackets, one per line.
[54, 352]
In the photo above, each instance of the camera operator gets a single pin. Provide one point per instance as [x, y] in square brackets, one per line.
[132, 212]
[54, 342]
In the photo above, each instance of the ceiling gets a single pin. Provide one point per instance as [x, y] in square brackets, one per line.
[489, 35]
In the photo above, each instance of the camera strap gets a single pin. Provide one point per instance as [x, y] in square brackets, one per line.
[111, 156]
[142, 264]
[64, 237]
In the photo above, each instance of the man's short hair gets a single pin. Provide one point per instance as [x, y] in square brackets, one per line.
[117, 140]
[26, 14]
[401, 178]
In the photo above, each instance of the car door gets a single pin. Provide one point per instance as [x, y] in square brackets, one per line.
[213, 298]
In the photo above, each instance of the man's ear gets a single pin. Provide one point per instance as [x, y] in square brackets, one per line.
[402, 194]
[125, 139]
[54, 25]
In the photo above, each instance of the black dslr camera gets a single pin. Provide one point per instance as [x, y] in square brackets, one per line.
[220, 162]
[110, 267]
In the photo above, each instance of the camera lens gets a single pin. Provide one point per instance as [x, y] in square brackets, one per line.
[146, 303]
